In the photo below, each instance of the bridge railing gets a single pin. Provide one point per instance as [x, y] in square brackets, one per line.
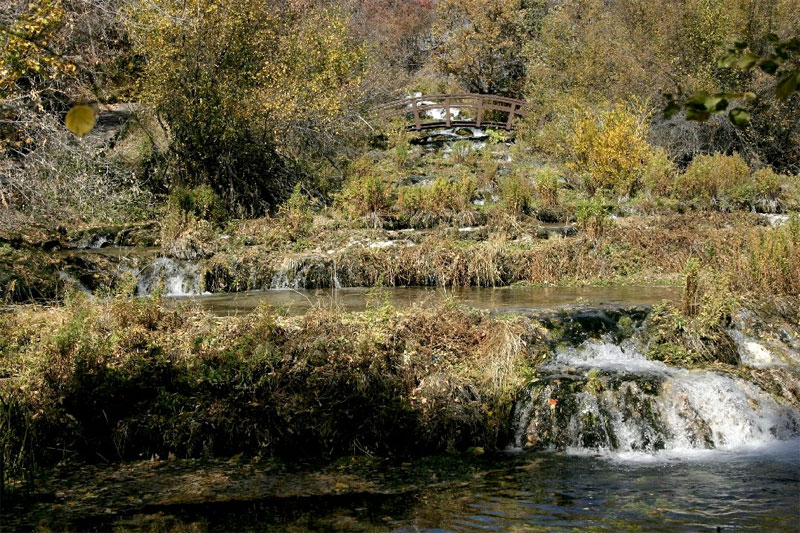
[416, 109]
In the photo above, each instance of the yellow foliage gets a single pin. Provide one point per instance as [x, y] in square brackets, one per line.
[247, 61]
[480, 43]
[610, 148]
[26, 48]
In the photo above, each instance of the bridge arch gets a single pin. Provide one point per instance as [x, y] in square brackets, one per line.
[434, 111]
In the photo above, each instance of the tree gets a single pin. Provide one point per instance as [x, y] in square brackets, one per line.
[479, 43]
[244, 86]
[398, 29]
[591, 51]
[783, 62]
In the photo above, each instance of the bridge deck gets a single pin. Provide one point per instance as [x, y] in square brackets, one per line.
[416, 109]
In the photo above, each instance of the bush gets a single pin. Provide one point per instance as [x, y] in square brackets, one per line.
[132, 378]
[763, 192]
[246, 88]
[365, 195]
[592, 215]
[187, 228]
[66, 181]
[610, 149]
[200, 203]
[517, 193]
[297, 216]
[771, 261]
[547, 186]
[698, 332]
[442, 200]
[711, 179]
[658, 175]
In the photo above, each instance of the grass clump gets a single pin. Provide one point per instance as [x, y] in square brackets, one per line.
[366, 195]
[517, 193]
[697, 331]
[191, 216]
[443, 201]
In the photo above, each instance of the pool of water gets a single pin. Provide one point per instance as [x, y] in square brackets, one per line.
[494, 299]
[717, 491]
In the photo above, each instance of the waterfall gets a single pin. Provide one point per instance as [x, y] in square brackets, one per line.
[607, 397]
[178, 278]
[281, 278]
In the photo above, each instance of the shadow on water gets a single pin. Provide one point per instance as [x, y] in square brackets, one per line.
[514, 491]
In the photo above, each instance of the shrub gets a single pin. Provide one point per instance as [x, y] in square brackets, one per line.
[245, 87]
[461, 150]
[610, 149]
[443, 199]
[187, 228]
[200, 203]
[710, 179]
[517, 193]
[658, 175]
[763, 192]
[698, 332]
[546, 179]
[133, 377]
[365, 195]
[65, 180]
[592, 215]
[297, 216]
[771, 261]
[452, 196]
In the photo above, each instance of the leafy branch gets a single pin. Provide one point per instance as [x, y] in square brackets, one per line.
[781, 63]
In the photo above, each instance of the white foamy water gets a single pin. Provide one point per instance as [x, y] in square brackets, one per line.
[754, 353]
[630, 408]
[177, 278]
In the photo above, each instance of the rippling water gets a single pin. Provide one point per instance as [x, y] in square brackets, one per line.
[717, 491]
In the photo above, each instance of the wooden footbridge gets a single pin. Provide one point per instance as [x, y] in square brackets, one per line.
[434, 111]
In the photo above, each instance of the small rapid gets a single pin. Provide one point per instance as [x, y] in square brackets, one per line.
[173, 277]
[608, 398]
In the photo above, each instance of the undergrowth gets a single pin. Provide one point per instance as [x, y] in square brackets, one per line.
[134, 378]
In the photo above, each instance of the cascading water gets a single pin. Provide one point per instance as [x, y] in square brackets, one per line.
[177, 278]
[280, 280]
[602, 396]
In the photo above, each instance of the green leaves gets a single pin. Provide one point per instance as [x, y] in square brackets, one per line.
[700, 106]
[739, 117]
[747, 61]
[788, 84]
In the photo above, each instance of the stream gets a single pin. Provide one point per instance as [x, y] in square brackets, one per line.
[501, 299]
[513, 491]
[603, 438]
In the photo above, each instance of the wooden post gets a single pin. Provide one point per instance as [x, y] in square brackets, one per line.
[480, 111]
[417, 121]
[511, 113]
[447, 111]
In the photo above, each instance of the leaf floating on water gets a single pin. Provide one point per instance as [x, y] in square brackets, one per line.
[80, 120]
